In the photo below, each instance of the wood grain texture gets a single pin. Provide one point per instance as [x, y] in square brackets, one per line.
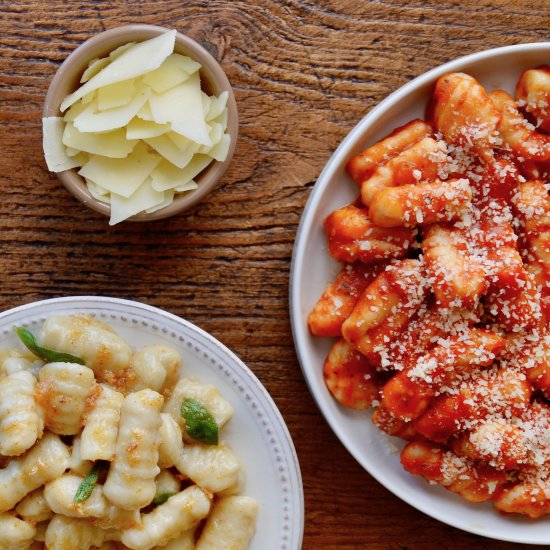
[304, 73]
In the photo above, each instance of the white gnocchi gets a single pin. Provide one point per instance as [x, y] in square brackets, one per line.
[231, 524]
[21, 421]
[130, 483]
[106, 353]
[102, 455]
[178, 514]
[60, 492]
[166, 485]
[206, 394]
[214, 467]
[77, 464]
[15, 533]
[64, 533]
[171, 442]
[62, 391]
[100, 432]
[47, 460]
[183, 542]
[155, 367]
[34, 507]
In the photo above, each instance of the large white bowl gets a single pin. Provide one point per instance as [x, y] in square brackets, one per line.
[312, 270]
[257, 433]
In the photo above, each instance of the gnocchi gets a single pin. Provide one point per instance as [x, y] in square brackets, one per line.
[99, 435]
[178, 514]
[104, 454]
[232, 520]
[62, 391]
[130, 483]
[444, 330]
[208, 395]
[34, 507]
[15, 533]
[21, 420]
[106, 353]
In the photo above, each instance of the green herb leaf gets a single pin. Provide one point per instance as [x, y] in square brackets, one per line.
[161, 498]
[199, 423]
[88, 484]
[48, 355]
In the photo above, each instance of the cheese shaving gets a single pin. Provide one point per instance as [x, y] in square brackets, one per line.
[56, 156]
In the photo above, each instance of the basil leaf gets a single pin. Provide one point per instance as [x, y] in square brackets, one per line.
[88, 484]
[161, 498]
[199, 423]
[48, 355]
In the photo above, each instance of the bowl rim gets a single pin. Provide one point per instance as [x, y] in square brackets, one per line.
[300, 250]
[209, 177]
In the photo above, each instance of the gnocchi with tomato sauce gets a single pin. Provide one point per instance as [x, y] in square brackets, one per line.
[441, 308]
[103, 446]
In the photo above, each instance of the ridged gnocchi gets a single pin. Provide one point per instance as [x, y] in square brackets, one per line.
[61, 393]
[15, 533]
[21, 419]
[130, 483]
[98, 451]
[447, 335]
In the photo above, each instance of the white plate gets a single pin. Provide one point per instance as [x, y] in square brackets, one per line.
[312, 270]
[257, 433]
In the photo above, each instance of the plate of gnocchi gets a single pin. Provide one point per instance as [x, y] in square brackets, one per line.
[423, 327]
[123, 426]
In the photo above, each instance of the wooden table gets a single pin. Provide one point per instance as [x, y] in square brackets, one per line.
[304, 73]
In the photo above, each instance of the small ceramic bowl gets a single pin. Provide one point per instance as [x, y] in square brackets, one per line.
[213, 81]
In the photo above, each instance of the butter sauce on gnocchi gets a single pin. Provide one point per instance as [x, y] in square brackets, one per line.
[442, 306]
[98, 455]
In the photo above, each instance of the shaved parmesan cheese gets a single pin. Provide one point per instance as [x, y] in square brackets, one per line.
[116, 95]
[111, 144]
[168, 149]
[221, 149]
[98, 189]
[81, 158]
[170, 73]
[117, 52]
[135, 61]
[88, 98]
[168, 200]
[221, 119]
[121, 176]
[188, 121]
[98, 192]
[143, 199]
[145, 113]
[167, 176]
[56, 157]
[197, 164]
[93, 120]
[94, 66]
[189, 186]
[217, 106]
[75, 110]
[183, 143]
[142, 129]
[185, 63]
[216, 133]
[206, 104]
